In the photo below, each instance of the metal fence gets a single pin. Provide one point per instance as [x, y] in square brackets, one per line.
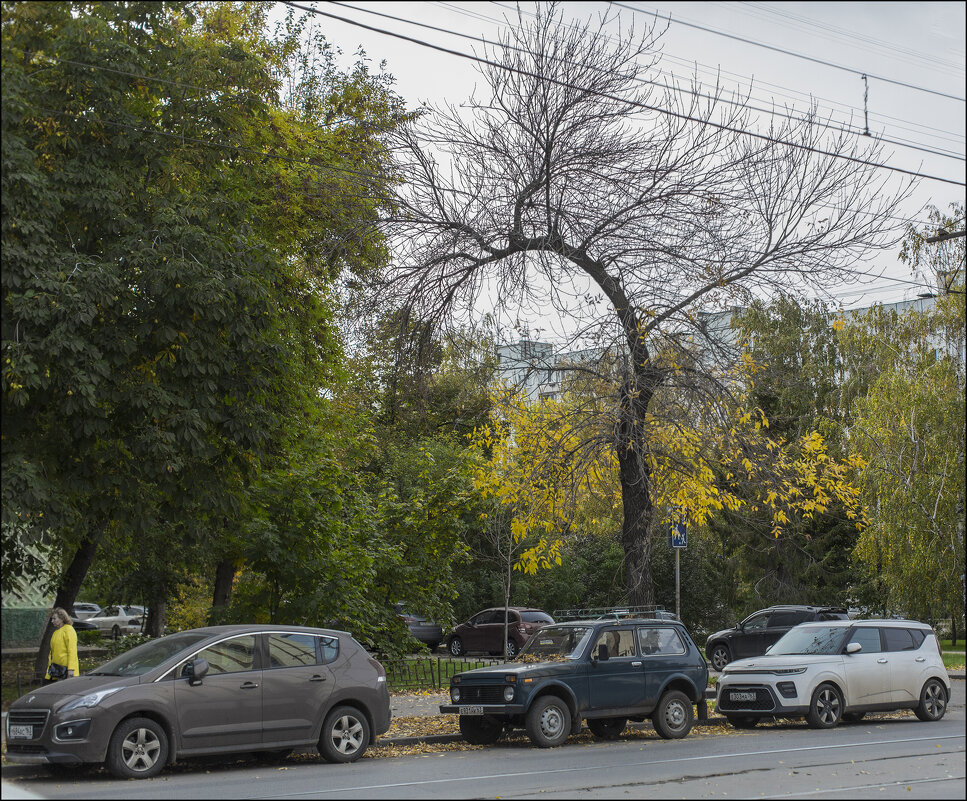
[28, 680]
[429, 672]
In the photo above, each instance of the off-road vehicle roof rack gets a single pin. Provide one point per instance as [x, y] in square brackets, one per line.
[616, 612]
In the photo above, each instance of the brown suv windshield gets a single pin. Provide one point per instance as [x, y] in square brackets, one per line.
[148, 656]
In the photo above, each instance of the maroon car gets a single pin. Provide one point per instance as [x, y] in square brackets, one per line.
[485, 631]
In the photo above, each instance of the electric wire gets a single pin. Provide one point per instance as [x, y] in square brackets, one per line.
[86, 117]
[210, 90]
[789, 52]
[834, 32]
[949, 136]
[686, 117]
[942, 153]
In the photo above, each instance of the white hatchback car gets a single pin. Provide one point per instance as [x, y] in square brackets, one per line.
[838, 670]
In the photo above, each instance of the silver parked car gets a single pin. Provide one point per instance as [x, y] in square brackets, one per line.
[82, 611]
[116, 621]
[217, 690]
[838, 670]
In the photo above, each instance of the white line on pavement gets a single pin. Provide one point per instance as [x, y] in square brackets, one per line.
[610, 766]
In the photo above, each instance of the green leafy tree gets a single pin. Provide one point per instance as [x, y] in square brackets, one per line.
[169, 224]
[796, 379]
[416, 408]
[909, 427]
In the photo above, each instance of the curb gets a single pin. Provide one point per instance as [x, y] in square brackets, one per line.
[434, 739]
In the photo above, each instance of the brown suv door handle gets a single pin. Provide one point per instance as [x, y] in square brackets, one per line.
[249, 685]
[317, 677]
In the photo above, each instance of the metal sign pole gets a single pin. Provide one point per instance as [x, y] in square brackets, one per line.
[678, 587]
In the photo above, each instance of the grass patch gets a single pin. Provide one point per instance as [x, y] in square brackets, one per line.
[947, 646]
[953, 661]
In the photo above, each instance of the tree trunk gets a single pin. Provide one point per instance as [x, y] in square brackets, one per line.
[507, 602]
[636, 531]
[156, 617]
[636, 500]
[222, 595]
[67, 590]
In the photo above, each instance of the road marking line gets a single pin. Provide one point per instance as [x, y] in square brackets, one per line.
[320, 792]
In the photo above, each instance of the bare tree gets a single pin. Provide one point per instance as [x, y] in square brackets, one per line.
[582, 185]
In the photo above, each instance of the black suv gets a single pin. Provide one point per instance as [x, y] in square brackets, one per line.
[602, 671]
[761, 629]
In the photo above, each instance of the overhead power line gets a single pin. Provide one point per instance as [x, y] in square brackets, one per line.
[782, 90]
[647, 107]
[894, 49]
[900, 143]
[790, 52]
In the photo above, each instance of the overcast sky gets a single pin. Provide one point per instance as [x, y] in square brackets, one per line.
[920, 44]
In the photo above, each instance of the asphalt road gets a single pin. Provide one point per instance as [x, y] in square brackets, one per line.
[883, 758]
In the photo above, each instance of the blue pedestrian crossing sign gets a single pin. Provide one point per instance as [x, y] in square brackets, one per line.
[679, 534]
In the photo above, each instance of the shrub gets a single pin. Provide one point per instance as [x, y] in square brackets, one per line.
[88, 637]
[125, 643]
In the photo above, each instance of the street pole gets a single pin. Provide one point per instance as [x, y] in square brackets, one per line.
[678, 588]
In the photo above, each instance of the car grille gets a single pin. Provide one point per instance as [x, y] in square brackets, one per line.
[485, 694]
[35, 718]
[763, 700]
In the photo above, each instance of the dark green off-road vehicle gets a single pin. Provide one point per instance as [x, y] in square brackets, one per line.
[603, 672]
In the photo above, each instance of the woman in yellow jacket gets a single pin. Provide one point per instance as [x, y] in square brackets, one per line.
[63, 646]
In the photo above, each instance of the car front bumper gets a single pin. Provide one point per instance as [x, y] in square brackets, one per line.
[497, 710]
[20, 755]
[749, 698]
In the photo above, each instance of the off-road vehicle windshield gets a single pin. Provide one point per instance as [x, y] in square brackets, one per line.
[810, 640]
[555, 643]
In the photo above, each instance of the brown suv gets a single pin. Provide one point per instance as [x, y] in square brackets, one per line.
[217, 690]
[485, 631]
